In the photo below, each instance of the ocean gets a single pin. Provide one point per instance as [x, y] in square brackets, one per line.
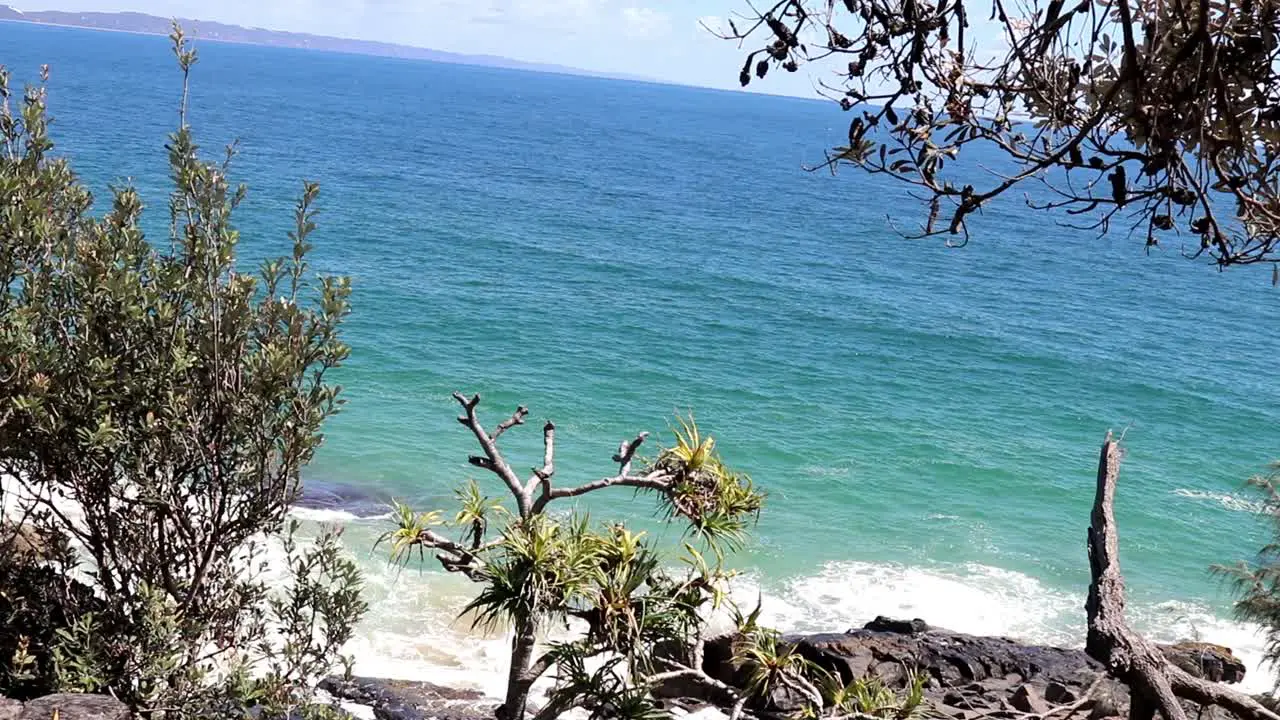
[926, 420]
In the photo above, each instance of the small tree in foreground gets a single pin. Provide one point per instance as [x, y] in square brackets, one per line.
[157, 405]
[643, 622]
[1163, 115]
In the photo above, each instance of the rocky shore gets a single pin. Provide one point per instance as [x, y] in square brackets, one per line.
[970, 677]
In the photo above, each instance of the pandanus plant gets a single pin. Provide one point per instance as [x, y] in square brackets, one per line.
[536, 570]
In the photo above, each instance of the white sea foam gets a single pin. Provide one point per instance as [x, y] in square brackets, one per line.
[412, 631]
[332, 516]
[1226, 500]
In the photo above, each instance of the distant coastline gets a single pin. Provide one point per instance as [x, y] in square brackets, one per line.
[142, 24]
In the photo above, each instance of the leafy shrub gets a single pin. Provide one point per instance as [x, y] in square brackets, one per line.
[157, 404]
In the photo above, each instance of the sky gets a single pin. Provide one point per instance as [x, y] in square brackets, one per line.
[660, 39]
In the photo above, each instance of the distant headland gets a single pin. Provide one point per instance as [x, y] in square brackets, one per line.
[201, 29]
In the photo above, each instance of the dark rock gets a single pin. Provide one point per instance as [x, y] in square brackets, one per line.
[1205, 660]
[951, 659]
[1109, 699]
[1060, 694]
[410, 700]
[10, 709]
[784, 699]
[905, 627]
[1028, 699]
[360, 502]
[71, 706]
[718, 661]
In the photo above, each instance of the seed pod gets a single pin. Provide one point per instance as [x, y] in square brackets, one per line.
[1119, 186]
[762, 68]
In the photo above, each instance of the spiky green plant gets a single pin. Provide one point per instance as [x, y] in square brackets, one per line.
[545, 569]
[773, 664]
[870, 696]
[406, 536]
[475, 510]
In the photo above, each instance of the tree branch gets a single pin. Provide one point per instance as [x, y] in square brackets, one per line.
[657, 481]
[627, 451]
[517, 418]
[493, 460]
[464, 561]
[543, 475]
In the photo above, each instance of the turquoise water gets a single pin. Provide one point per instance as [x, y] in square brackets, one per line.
[926, 420]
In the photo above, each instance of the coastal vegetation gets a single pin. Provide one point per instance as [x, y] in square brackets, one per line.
[642, 621]
[157, 403]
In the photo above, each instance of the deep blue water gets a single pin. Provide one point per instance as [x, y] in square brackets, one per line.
[926, 420]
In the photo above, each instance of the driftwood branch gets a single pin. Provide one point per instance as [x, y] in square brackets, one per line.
[1155, 684]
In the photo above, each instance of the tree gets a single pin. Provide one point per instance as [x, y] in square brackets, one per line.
[1163, 114]
[157, 405]
[643, 622]
[1155, 683]
[1257, 584]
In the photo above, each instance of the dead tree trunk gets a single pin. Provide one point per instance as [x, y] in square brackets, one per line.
[1154, 683]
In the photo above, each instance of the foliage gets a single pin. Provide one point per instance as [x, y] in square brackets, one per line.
[37, 604]
[771, 663]
[537, 570]
[1257, 583]
[870, 696]
[157, 405]
[1165, 115]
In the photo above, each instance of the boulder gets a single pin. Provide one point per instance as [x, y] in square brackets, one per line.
[1029, 700]
[10, 709]
[904, 627]
[1205, 660]
[1060, 694]
[73, 706]
[951, 659]
[409, 700]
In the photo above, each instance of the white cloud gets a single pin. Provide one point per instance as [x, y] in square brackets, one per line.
[645, 22]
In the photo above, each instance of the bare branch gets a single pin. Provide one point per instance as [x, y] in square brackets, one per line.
[627, 451]
[543, 474]
[656, 481]
[454, 557]
[517, 418]
[492, 459]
